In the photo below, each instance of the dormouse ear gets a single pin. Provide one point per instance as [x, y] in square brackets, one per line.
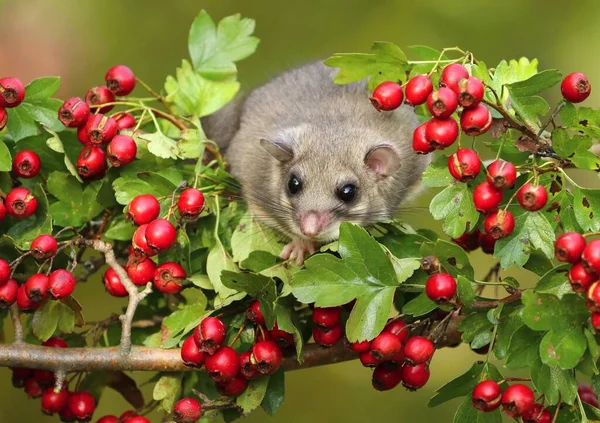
[278, 150]
[383, 160]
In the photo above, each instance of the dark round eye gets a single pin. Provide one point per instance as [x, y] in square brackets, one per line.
[347, 193]
[294, 185]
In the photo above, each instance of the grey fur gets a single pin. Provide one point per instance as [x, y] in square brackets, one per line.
[330, 129]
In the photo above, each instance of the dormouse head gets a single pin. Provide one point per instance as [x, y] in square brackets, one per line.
[324, 178]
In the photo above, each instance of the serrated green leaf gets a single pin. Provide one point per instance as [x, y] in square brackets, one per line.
[554, 383]
[563, 347]
[455, 206]
[120, 229]
[217, 261]
[465, 291]
[55, 143]
[77, 205]
[275, 394]
[161, 145]
[532, 230]
[53, 315]
[419, 306]
[20, 123]
[45, 111]
[555, 282]
[544, 312]
[475, 326]
[287, 321]
[214, 49]
[437, 173]
[258, 286]
[181, 322]
[524, 348]
[250, 236]
[42, 88]
[130, 185]
[254, 394]
[167, 390]
[586, 206]
[5, 158]
[536, 84]
[510, 322]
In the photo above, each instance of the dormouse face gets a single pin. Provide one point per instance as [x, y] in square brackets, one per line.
[321, 186]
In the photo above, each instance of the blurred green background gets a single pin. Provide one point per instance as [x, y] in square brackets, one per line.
[80, 40]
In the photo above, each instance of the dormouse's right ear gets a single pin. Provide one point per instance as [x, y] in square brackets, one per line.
[278, 150]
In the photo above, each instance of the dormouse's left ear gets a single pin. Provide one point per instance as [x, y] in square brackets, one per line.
[384, 160]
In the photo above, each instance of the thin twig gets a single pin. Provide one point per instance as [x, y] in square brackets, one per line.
[495, 303]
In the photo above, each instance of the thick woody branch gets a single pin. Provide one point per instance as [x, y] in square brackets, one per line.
[135, 296]
[157, 359]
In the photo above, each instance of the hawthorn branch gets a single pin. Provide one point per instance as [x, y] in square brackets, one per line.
[15, 316]
[135, 296]
[495, 303]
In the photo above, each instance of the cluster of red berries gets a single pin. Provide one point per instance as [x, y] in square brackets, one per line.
[571, 247]
[154, 235]
[98, 130]
[129, 416]
[39, 287]
[187, 410]
[229, 370]
[12, 93]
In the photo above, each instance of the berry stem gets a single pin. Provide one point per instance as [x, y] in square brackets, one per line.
[238, 334]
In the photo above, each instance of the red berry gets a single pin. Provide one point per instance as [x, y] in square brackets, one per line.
[386, 377]
[20, 376]
[451, 76]
[329, 336]
[387, 96]
[502, 174]
[4, 271]
[160, 234]
[499, 224]
[441, 133]
[12, 92]
[538, 414]
[476, 121]
[33, 388]
[440, 287]
[120, 80]
[36, 287]
[281, 338]
[486, 396]
[24, 302]
[169, 278]
[91, 162]
[442, 103]
[187, 410]
[143, 209]
[140, 244]
[254, 314]
[589, 398]
[385, 345]
[53, 402]
[209, 334]
[190, 203]
[418, 89]
[418, 350]
[43, 247]
[574, 88]
[137, 419]
[367, 359]
[61, 284]
[121, 150]
[190, 354]
[469, 241]
[44, 377]
[128, 415]
[234, 387]
[517, 399]
[593, 296]
[82, 404]
[113, 284]
[247, 367]
[399, 328]
[82, 135]
[223, 365]
[55, 342]
[101, 129]
[109, 419]
[74, 112]
[326, 317]
[3, 118]
[26, 164]
[487, 199]
[569, 247]
[98, 96]
[591, 256]
[141, 272]
[20, 203]
[8, 293]
[464, 165]
[532, 197]
[580, 278]
[420, 143]
[267, 356]
[124, 121]
[415, 377]
[596, 321]
[470, 91]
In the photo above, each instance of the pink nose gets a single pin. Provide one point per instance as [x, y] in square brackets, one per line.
[312, 223]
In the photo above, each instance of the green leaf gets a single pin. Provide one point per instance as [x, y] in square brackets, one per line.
[419, 306]
[56, 144]
[258, 286]
[554, 383]
[287, 321]
[5, 158]
[537, 83]
[274, 396]
[161, 146]
[555, 282]
[466, 413]
[76, 206]
[532, 230]
[524, 348]
[563, 347]
[254, 394]
[53, 315]
[386, 62]
[217, 261]
[464, 384]
[476, 326]
[510, 322]
[455, 206]
[586, 206]
[214, 49]
[194, 95]
[120, 229]
[249, 236]
[42, 88]
[452, 257]
[45, 111]
[437, 173]
[130, 185]
[182, 321]
[544, 312]
[364, 272]
[20, 123]
[26, 230]
[168, 390]
[465, 291]
[402, 242]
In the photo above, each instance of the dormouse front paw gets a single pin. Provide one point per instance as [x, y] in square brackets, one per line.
[299, 249]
